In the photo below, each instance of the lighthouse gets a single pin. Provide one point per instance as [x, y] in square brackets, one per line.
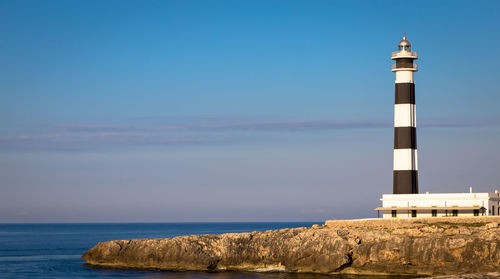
[405, 201]
[405, 176]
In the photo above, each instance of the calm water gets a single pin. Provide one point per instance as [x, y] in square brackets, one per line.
[54, 250]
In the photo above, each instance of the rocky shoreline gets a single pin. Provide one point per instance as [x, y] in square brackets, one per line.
[434, 246]
[488, 275]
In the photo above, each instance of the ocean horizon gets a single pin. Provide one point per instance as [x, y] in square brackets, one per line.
[54, 250]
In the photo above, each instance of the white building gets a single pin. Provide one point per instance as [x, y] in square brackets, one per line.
[439, 205]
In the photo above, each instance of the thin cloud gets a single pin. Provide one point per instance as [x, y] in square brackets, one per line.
[291, 125]
[82, 142]
[266, 126]
[85, 137]
[460, 124]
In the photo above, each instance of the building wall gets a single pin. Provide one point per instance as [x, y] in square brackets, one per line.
[403, 214]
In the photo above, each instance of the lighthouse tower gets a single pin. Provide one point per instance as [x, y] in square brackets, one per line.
[405, 177]
[405, 201]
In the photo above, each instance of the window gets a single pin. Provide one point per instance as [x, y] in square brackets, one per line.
[413, 213]
[493, 210]
[394, 213]
[476, 212]
[434, 213]
[454, 212]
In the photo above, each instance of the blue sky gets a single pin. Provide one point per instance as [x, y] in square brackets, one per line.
[117, 111]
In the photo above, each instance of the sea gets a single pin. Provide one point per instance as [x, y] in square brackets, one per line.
[54, 250]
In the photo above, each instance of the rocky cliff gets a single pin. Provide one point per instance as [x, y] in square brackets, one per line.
[418, 246]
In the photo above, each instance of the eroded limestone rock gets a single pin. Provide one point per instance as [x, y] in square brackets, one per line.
[426, 248]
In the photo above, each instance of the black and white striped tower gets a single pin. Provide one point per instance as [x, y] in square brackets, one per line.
[405, 177]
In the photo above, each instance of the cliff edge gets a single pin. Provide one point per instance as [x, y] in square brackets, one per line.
[436, 246]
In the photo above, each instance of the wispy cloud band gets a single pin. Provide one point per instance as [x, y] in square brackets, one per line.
[292, 125]
[76, 137]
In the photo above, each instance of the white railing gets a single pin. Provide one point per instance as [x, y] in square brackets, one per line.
[404, 53]
[414, 67]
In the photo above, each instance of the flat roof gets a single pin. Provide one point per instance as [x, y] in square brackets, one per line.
[434, 196]
[432, 207]
[460, 193]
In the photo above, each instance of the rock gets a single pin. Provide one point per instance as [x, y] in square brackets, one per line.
[490, 275]
[492, 225]
[351, 247]
[292, 249]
